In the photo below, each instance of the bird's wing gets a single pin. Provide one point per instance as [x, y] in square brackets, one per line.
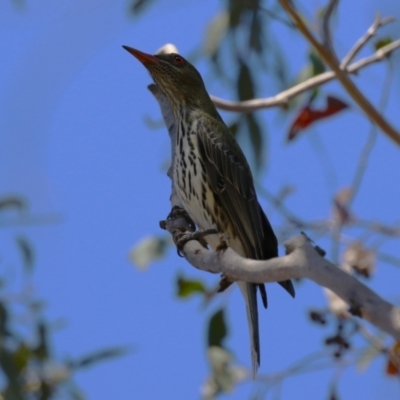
[231, 180]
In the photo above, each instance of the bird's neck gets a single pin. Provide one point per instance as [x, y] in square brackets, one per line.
[195, 108]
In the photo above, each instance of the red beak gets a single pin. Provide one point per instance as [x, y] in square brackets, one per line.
[144, 58]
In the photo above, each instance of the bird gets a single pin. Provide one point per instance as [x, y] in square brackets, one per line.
[212, 177]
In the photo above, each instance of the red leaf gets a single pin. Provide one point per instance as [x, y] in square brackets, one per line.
[393, 364]
[308, 115]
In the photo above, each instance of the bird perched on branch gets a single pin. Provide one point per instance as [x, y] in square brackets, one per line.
[212, 177]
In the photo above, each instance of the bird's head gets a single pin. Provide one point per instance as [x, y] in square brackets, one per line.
[179, 80]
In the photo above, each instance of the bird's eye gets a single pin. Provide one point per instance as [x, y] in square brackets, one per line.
[178, 60]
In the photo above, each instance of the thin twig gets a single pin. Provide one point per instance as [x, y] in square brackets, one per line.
[39, 219]
[342, 76]
[372, 136]
[303, 365]
[378, 22]
[326, 32]
[281, 99]
[370, 338]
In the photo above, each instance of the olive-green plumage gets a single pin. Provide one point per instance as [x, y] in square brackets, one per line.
[212, 177]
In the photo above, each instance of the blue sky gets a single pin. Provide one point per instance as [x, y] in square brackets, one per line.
[74, 142]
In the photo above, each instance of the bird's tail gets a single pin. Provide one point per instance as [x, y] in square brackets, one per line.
[249, 291]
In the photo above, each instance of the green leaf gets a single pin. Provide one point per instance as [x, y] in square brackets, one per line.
[149, 249]
[215, 32]
[26, 251]
[313, 68]
[42, 351]
[14, 388]
[236, 8]
[318, 67]
[217, 329]
[22, 356]
[382, 43]
[98, 356]
[188, 287]
[256, 138]
[256, 33]
[3, 322]
[245, 85]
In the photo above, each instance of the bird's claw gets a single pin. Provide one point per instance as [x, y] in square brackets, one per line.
[185, 230]
[198, 235]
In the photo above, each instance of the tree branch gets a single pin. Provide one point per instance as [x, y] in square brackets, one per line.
[281, 99]
[342, 76]
[302, 261]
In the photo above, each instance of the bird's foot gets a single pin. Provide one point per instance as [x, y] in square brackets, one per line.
[183, 229]
[178, 223]
[198, 235]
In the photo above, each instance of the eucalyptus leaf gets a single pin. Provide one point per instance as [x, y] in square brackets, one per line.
[217, 329]
[256, 138]
[382, 43]
[236, 9]
[22, 356]
[149, 249]
[189, 287]
[256, 33]
[318, 66]
[4, 319]
[245, 84]
[42, 349]
[215, 32]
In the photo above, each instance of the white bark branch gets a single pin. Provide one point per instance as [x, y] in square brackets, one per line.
[302, 260]
[371, 32]
[282, 98]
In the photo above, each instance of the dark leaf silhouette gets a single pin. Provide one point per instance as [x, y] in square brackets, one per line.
[245, 83]
[98, 356]
[12, 203]
[217, 329]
